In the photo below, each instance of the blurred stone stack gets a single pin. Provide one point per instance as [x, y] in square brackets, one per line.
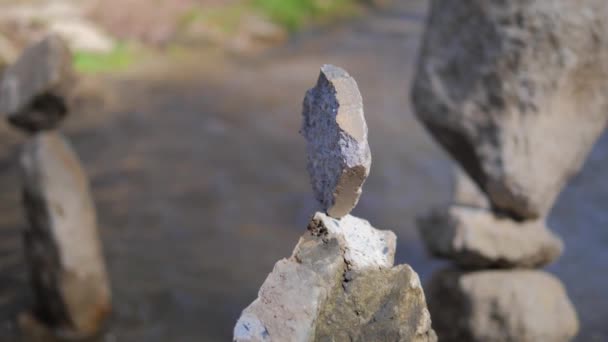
[516, 92]
[63, 251]
[340, 283]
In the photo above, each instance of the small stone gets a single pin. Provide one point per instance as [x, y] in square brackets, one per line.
[364, 246]
[334, 126]
[329, 274]
[477, 238]
[34, 90]
[71, 290]
[500, 305]
[516, 93]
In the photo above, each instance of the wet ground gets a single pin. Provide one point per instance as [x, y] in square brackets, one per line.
[199, 176]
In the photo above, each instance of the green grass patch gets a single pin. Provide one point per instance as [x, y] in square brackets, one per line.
[120, 58]
[293, 14]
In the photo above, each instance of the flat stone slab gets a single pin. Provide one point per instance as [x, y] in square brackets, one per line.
[334, 126]
[500, 305]
[315, 294]
[516, 93]
[34, 90]
[477, 238]
[72, 293]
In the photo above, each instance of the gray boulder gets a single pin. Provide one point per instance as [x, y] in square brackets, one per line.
[516, 92]
[477, 238]
[71, 290]
[336, 138]
[34, 90]
[500, 306]
[331, 289]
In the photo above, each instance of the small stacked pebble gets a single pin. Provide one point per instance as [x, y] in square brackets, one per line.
[340, 283]
[516, 93]
[62, 247]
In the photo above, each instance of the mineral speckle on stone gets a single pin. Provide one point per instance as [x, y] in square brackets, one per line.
[34, 90]
[334, 126]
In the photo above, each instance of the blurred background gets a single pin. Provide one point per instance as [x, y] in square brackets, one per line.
[187, 123]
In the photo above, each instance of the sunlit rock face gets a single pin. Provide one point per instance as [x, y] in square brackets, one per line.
[335, 130]
[68, 275]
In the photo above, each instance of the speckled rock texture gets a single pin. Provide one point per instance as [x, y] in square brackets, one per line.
[72, 293]
[335, 130]
[516, 92]
[500, 306]
[34, 91]
[331, 289]
[477, 238]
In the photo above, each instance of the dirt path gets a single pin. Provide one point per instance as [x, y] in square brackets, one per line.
[199, 177]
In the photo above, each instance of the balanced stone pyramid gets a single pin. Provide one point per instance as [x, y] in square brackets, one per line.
[340, 283]
[516, 94]
[62, 247]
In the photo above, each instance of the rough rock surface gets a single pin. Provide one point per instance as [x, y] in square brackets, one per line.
[364, 246]
[316, 293]
[336, 135]
[34, 90]
[62, 246]
[497, 306]
[476, 238]
[467, 193]
[516, 93]
[377, 305]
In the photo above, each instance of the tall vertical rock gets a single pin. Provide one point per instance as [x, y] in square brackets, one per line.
[340, 283]
[62, 245]
[336, 138]
[67, 270]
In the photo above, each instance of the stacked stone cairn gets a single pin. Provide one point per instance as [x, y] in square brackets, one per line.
[340, 283]
[62, 247]
[516, 92]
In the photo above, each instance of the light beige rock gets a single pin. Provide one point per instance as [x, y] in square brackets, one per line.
[34, 91]
[467, 193]
[72, 294]
[500, 306]
[477, 238]
[313, 295]
[334, 126]
[516, 93]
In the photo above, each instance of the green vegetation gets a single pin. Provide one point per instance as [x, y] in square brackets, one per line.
[118, 59]
[293, 14]
[290, 14]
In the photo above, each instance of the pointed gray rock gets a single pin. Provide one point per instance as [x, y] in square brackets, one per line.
[336, 138]
[338, 268]
[34, 90]
[72, 294]
[516, 92]
[500, 306]
[477, 238]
